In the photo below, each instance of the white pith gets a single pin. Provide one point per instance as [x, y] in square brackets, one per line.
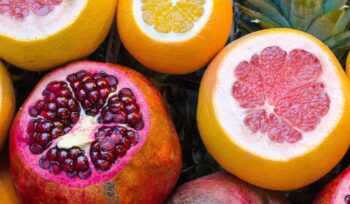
[35, 27]
[151, 32]
[231, 115]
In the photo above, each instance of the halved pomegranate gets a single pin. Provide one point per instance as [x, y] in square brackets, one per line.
[94, 133]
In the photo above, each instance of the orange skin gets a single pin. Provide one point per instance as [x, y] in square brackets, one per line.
[147, 178]
[287, 175]
[223, 188]
[7, 191]
[7, 103]
[179, 57]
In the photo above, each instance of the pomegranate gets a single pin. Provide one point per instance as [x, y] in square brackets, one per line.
[94, 133]
[222, 188]
[336, 191]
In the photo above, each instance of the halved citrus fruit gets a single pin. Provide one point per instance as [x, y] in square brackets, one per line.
[174, 36]
[274, 109]
[7, 104]
[41, 34]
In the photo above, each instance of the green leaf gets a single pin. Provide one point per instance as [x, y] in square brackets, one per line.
[331, 5]
[258, 18]
[285, 7]
[276, 2]
[338, 39]
[270, 11]
[345, 21]
[304, 12]
[326, 25]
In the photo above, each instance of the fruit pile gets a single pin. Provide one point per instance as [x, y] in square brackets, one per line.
[181, 101]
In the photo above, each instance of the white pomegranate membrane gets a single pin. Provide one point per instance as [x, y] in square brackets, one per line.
[282, 93]
[274, 96]
[84, 127]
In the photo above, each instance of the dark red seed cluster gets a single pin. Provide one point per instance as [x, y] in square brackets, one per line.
[92, 90]
[72, 161]
[54, 116]
[111, 143]
[122, 108]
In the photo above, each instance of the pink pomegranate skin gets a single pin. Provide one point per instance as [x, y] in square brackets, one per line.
[220, 188]
[337, 191]
[148, 177]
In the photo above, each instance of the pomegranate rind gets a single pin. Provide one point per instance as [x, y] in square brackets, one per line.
[222, 188]
[75, 41]
[7, 103]
[337, 187]
[148, 177]
[257, 169]
[175, 57]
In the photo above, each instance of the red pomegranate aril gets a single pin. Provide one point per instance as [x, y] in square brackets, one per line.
[133, 118]
[50, 107]
[32, 126]
[49, 96]
[48, 115]
[55, 168]
[127, 100]
[73, 105]
[93, 96]
[74, 117]
[119, 117]
[52, 154]
[112, 81]
[95, 147]
[33, 111]
[102, 165]
[94, 156]
[125, 143]
[101, 82]
[81, 73]
[63, 112]
[36, 148]
[31, 138]
[64, 92]
[43, 139]
[44, 163]
[84, 174]
[104, 93]
[62, 155]
[53, 86]
[71, 174]
[89, 85]
[67, 129]
[120, 151]
[44, 126]
[75, 85]
[81, 163]
[92, 112]
[132, 108]
[81, 94]
[132, 137]
[115, 107]
[74, 152]
[108, 156]
[40, 105]
[85, 78]
[61, 102]
[126, 92]
[68, 165]
[56, 132]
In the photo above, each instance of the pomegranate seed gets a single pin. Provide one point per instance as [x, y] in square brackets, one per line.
[62, 102]
[93, 96]
[116, 107]
[120, 151]
[56, 132]
[52, 154]
[36, 148]
[81, 163]
[127, 100]
[71, 174]
[132, 137]
[68, 165]
[74, 152]
[104, 92]
[131, 108]
[55, 168]
[32, 126]
[125, 143]
[48, 96]
[101, 82]
[81, 94]
[108, 156]
[43, 139]
[92, 112]
[50, 107]
[73, 105]
[48, 115]
[53, 86]
[76, 85]
[44, 163]
[113, 99]
[63, 112]
[119, 117]
[112, 81]
[31, 138]
[33, 111]
[133, 118]
[139, 125]
[72, 77]
[80, 73]
[95, 147]
[67, 129]
[102, 165]
[44, 127]
[89, 85]
[86, 104]
[40, 105]
[74, 117]
[94, 156]
[84, 174]
[125, 92]
[85, 78]
[62, 155]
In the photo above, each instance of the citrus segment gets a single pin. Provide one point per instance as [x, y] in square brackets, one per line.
[174, 36]
[169, 17]
[287, 82]
[270, 108]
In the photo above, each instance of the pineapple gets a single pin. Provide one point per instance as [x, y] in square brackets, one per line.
[328, 20]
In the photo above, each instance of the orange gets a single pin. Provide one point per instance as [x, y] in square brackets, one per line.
[7, 191]
[275, 112]
[7, 103]
[174, 36]
[73, 30]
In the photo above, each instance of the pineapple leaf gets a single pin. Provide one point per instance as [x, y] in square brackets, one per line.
[338, 39]
[285, 7]
[304, 12]
[331, 5]
[271, 11]
[258, 17]
[276, 2]
[326, 25]
[345, 21]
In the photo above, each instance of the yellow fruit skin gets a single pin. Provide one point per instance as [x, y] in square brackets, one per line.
[7, 104]
[179, 57]
[348, 65]
[77, 40]
[275, 175]
[7, 191]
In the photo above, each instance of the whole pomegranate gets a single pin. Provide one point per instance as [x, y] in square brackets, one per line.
[94, 133]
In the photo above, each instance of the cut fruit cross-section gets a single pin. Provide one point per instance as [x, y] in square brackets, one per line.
[174, 36]
[275, 108]
[42, 34]
[88, 126]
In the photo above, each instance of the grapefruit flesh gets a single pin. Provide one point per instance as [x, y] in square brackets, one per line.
[270, 108]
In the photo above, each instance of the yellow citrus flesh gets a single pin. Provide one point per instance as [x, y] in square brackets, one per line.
[7, 103]
[76, 40]
[174, 36]
[261, 169]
